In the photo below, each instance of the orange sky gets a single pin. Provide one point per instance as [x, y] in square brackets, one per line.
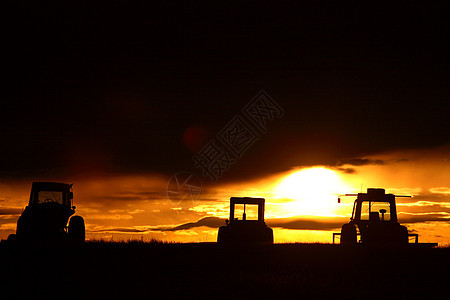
[301, 204]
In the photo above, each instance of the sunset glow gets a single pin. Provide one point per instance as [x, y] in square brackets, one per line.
[301, 204]
[225, 149]
[313, 190]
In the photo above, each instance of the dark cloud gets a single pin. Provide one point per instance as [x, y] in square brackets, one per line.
[97, 89]
[295, 223]
[433, 197]
[119, 229]
[7, 211]
[419, 218]
[212, 222]
[308, 224]
[441, 190]
[287, 223]
[130, 196]
[357, 162]
[347, 170]
[425, 208]
[10, 220]
[360, 162]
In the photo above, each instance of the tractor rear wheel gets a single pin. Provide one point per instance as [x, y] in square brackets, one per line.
[348, 235]
[76, 230]
[223, 237]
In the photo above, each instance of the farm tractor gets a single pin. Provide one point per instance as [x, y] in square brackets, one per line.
[375, 217]
[249, 230]
[45, 218]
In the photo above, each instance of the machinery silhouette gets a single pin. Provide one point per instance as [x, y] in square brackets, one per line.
[244, 231]
[45, 218]
[375, 230]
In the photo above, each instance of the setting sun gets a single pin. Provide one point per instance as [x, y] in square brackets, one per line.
[313, 191]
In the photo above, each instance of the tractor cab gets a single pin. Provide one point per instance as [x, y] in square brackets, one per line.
[252, 210]
[51, 192]
[375, 206]
[375, 217]
[246, 223]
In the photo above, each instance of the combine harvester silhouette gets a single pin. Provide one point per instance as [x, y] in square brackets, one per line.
[243, 231]
[373, 229]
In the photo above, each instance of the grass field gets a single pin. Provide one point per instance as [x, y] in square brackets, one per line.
[136, 270]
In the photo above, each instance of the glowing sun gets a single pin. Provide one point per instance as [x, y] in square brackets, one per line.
[313, 191]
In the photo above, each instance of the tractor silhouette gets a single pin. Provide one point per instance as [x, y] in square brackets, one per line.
[245, 231]
[375, 217]
[45, 218]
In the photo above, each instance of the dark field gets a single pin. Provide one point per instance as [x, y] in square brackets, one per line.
[130, 270]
